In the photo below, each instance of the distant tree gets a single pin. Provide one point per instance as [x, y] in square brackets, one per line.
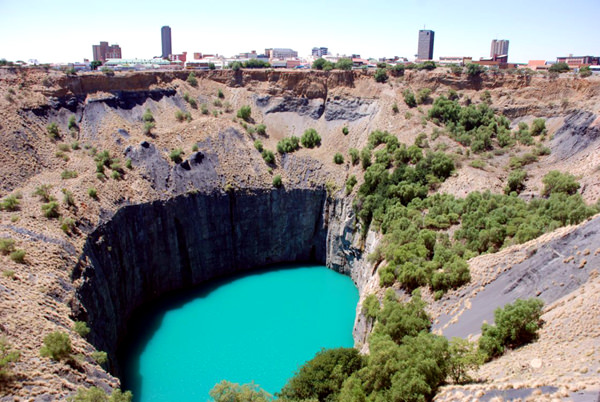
[381, 75]
[211, 66]
[255, 63]
[319, 63]
[344, 64]
[95, 64]
[235, 66]
[559, 68]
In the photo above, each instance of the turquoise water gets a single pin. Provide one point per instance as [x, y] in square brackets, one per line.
[259, 328]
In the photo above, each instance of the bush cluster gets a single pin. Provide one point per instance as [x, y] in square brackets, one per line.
[310, 138]
[516, 324]
[288, 144]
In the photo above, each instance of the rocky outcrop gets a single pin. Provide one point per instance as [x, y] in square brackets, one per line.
[579, 131]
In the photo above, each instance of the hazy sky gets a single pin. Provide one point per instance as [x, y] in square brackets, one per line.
[62, 31]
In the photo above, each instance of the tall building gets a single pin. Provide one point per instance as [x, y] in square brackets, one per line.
[425, 51]
[102, 52]
[281, 53]
[320, 51]
[499, 48]
[165, 33]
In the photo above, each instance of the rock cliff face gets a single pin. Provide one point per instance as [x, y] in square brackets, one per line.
[151, 249]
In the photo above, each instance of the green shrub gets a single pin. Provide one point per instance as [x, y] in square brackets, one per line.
[350, 183]
[478, 164]
[95, 394]
[72, 125]
[523, 135]
[516, 181]
[175, 155]
[57, 346]
[53, 131]
[147, 116]
[268, 156]
[556, 182]
[559, 68]
[423, 96]
[81, 328]
[192, 80]
[486, 97]
[226, 391]
[381, 75]
[258, 145]
[100, 357]
[289, 144]
[50, 210]
[463, 357]
[220, 94]
[515, 325]
[179, 115]
[354, 156]
[244, 113]
[345, 130]
[148, 127]
[371, 306]
[68, 174]
[261, 129]
[538, 127]
[7, 356]
[18, 256]
[116, 175]
[310, 138]
[67, 225]
[75, 145]
[195, 148]
[68, 198]
[129, 163]
[338, 158]
[321, 377]
[585, 71]
[93, 193]
[395, 108]
[277, 181]
[344, 64]
[10, 203]
[204, 109]
[365, 157]
[7, 246]
[409, 98]
[64, 147]
[474, 70]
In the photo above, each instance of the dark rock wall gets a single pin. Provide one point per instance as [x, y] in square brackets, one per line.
[151, 249]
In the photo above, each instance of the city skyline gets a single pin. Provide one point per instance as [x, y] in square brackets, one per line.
[60, 32]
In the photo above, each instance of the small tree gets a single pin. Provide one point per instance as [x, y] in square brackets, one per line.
[559, 68]
[319, 63]
[244, 113]
[344, 64]
[95, 64]
[57, 346]
[310, 138]
[538, 127]
[516, 181]
[345, 130]
[226, 391]
[557, 182]
[464, 356]
[350, 183]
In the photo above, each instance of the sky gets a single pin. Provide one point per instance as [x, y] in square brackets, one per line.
[64, 31]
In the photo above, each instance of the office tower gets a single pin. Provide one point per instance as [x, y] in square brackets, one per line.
[499, 48]
[425, 51]
[165, 33]
[319, 51]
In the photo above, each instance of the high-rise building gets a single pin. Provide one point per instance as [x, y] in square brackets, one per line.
[499, 48]
[320, 51]
[165, 33]
[281, 53]
[425, 50]
[102, 52]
